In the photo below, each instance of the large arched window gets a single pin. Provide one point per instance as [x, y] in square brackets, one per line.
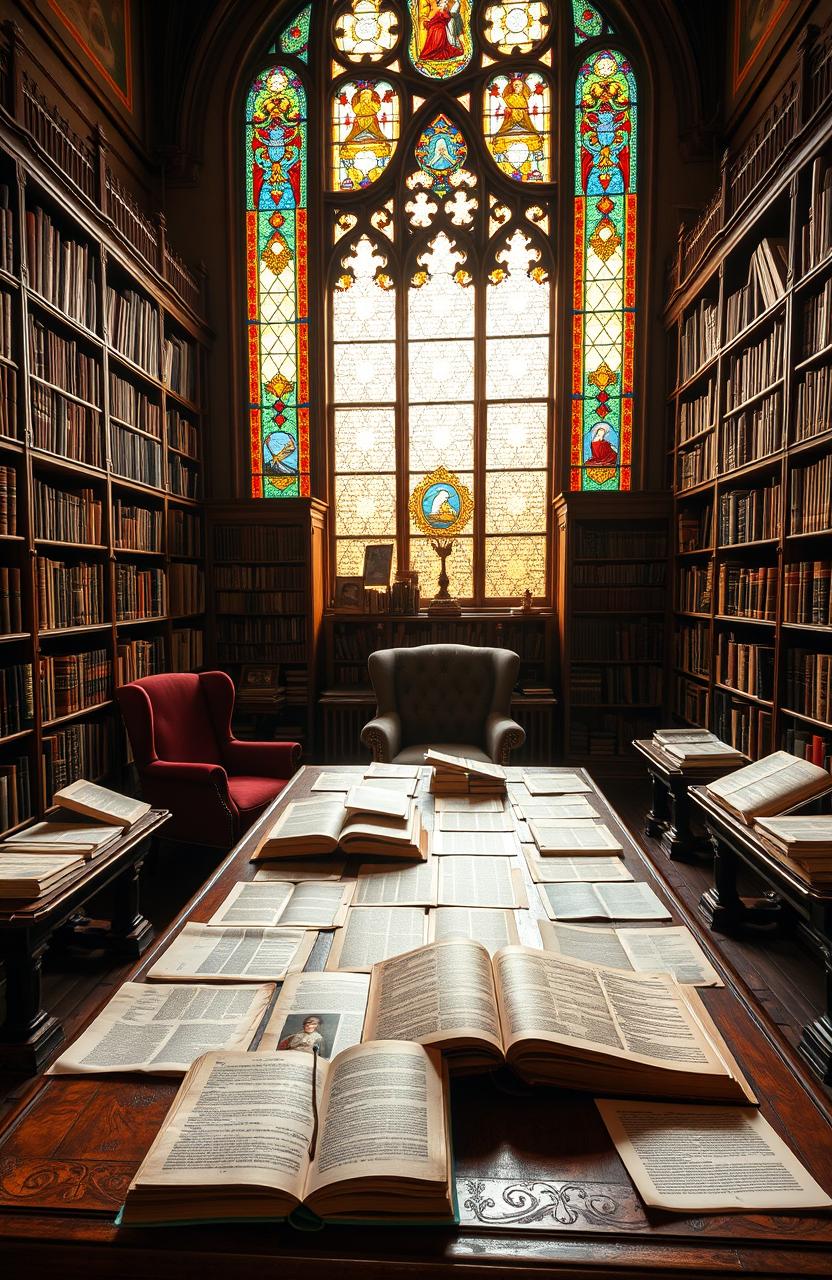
[442, 297]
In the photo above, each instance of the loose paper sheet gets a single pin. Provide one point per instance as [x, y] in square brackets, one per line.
[379, 769]
[635, 901]
[537, 807]
[571, 870]
[475, 843]
[695, 1158]
[474, 820]
[316, 904]
[296, 870]
[492, 927]
[480, 882]
[392, 885]
[461, 804]
[671, 949]
[233, 954]
[376, 933]
[592, 837]
[334, 1002]
[556, 784]
[162, 1030]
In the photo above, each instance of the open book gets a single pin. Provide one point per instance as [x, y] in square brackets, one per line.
[364, 1137]
[454, 775]
[312, 827]
[63, 837]
[555, 1021]
[769, 786]
[92, 801]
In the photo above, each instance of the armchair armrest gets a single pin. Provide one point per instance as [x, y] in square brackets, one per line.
[502, 736]
[383, 736]
[198, 796]
[262, 759]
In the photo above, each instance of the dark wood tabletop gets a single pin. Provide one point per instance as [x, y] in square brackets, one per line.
[541, 1188]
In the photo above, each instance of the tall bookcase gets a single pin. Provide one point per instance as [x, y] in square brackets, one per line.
[102, 350]
[749, 449]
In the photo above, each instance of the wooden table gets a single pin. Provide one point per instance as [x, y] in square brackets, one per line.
[30, 1034]
[669, 815]
[789, 903]
[541, 1189]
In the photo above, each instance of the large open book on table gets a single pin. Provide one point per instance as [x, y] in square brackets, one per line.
[307, 828]
[769, 786]
[364, 1137]
[555, 1021]
[93, 801]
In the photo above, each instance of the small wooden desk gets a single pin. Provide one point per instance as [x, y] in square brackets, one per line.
[790, 903]
[541, 1189]
[669, 815]
[30, 1034]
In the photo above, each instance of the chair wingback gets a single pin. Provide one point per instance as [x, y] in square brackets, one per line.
[443, 692]
[169, 717]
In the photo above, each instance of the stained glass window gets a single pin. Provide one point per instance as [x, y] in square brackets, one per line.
[604, 273]
[365, 130]
[516, 26]
[368, 32]
[588, 21]
[276, 284]
[294, 38]
[517, 126]
[440, 37]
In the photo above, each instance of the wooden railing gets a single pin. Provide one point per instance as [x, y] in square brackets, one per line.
[84, 163]
[769, 144]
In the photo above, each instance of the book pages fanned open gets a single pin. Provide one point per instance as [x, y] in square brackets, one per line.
[708, 1159]
[93, 801]
[671, 949]
[769, 786]
[320, 904]
[236, 953]
[163, 1030]
[376, 933]
[635, 901]
[480, 882]
[317, 1011]
[491, 927]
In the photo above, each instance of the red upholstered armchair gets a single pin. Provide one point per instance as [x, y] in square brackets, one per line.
[189, 762]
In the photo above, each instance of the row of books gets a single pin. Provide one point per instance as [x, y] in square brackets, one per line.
[186, 584]
[610, 544]
[817, 321]
[234, 542]
[749, 668]
[697, 414]
[246, 577]
[186, 649]
[816, 234]
[138, 658]
[694, 527]
[135, 527]
[136, 457]
[696, 463]
[808, 688]
[260, 602]
[748, 592]
[746, 727]
[11, 605]
[64, 516]
[17, 705]
[653, 573]
[749, 515]
[624, 685]
[8, 500]
[180, 366]
[15, 792]
[696, 588]
[756, 367]
[83, 750]
[8, 401]
[405, 597]
[690, 701]
[6, 325]
[134, 407]
[62, 270]
[65, 427]
[807, 596]
[182, 434]
[69, 595]
[620, 599]
[140, 593]
[184, 532]
[617, 639]
[699, 338]
[63, 363]
[751, 435]
[6, 230]
[133, 327]
[811, 497]
[768, 270]
[183, 477]
[607, 736]
[808, 745]
[693, 649]
[71, 681]
[813, 403]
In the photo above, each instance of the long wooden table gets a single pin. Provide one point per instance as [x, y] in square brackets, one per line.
[541, 1188]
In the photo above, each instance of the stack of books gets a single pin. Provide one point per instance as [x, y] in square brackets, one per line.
[803, 844]
[461, 776]
[31, 875]
[697, 748]
[769, 786]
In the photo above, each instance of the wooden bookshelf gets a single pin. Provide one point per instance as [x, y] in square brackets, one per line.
[84, 430]
[777, 190]
[612, 593]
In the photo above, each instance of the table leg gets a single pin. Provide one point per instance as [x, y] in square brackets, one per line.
[721, 905]
[130, 932]
[678, 840]
[29, 1034]
[658, 814]
[816, 1041]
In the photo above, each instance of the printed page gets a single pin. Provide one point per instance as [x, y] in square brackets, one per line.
[376, 933]
[57, 835]
[704, 1158]
[460, 804]
[162, 1030]
[490, 927]
[378, 801]
[480, 882]
[333, 782]
[669, 950]
[95, 801]
[524, 834]
[239, 1119]
[235, 953]
[318, 904]
[382, 1116]
[390, 884]
[297, 870]
[323, 1011]
[635, 901]
[555, 836]
[379, 769]
[578, 942]
[538, 808]
[479, 768]
[302, 819]
[258, 904]
[437, 994]
[565, 870]
[474, 820]
[769, 785]
[555, 784]
[479, 843]
[812, 830]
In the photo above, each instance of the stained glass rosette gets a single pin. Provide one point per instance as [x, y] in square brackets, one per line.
[441, 505]
[441, 44]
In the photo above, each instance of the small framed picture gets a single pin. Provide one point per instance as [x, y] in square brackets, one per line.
[259, 678]
[349, 594]
[378, 561]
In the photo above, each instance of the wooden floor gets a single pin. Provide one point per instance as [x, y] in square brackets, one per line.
[780, 976]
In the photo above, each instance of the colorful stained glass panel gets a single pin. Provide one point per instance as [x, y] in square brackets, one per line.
[440, 37]
[588, 22]
[365, 131]
[369, 32]
[517, 125]
[294, 38]
[516, 26]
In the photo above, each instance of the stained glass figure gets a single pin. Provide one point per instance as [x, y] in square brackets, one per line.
[604, 273]
[588, 22]
[516, 26]
[365, 131]
[516, 123]
[441, 152]
[440, 37]
[368, 33]
[276, 284]
[294, 38]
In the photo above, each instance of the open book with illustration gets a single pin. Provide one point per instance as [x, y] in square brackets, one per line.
[363, 1137]
[309, 828]
[769, 786]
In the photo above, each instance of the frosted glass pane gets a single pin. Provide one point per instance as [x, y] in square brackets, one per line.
[365, 372]
[441, 371]
[515, 502]
[513, 565]
[516, 436]
[516, 367]
[442, 435]
[365, 505]
[466, 477]
[460, 566]
[517, 305]
[440, 307]
[365, 440]
[349, 555]
[364, 312]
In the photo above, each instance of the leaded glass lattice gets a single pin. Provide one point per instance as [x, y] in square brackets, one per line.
[588, 22]
[516, 26]
[365, 130]
[516, 111]
[369, 32]
[514, 565]
[294, 38]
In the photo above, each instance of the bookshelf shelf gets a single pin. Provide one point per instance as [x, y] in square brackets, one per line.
[708, 367]
[54, 313]
[741, 693]
[823, 353]
[800, 715]
[759, 322]
[748, 622]
[725, 479]
[758, 395]
[72, 716]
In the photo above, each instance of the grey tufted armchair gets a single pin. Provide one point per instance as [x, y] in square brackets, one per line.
[454, 697]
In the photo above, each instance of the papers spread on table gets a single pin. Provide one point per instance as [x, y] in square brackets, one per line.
[314, 904]
[480, 882]
[672, 949]
[468, 804]
[380, 769]
[296, 871]
[162, 1030]
[635, 901]
[491, 927]
[565, 869]
[93, 801]
[556, 784]
[233, 954]
[375, 933]
[378, 802]
[474, 820]
[460, 775]
[567, 807]
[769, 786]
[320, 826]
[465, 844]
[390, 884]
[554, 836]
[323, 1011]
